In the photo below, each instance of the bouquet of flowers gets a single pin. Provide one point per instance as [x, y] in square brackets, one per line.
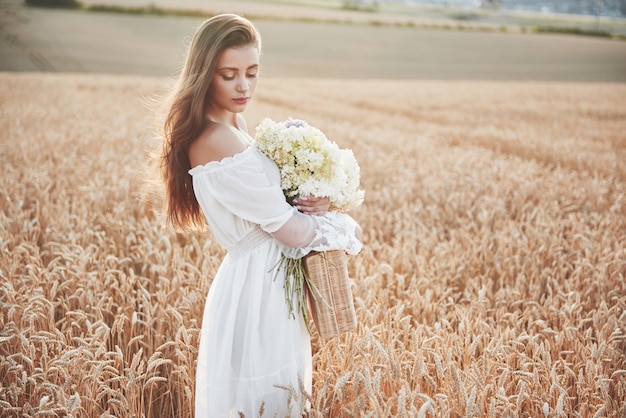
[312, 165]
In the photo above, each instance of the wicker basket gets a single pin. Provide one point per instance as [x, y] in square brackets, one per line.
[330, 301]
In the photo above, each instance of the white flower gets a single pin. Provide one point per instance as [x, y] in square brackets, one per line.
[310, 164]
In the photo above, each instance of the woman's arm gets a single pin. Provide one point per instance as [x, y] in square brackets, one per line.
[304, 233]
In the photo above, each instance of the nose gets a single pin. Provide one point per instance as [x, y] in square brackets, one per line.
[243, 84]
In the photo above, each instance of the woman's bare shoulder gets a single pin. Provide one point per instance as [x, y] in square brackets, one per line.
[216, 142]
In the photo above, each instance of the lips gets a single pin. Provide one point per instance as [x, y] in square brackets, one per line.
[241, 100]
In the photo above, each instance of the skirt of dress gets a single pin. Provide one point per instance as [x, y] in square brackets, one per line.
[254, 359]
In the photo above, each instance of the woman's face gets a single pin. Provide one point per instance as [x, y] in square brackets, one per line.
[234, 81]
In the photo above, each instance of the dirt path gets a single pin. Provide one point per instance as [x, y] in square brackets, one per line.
[34, 39]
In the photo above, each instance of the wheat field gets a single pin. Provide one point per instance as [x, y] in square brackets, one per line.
[492, 282]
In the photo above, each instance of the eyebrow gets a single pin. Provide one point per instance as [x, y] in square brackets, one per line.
[237, 69]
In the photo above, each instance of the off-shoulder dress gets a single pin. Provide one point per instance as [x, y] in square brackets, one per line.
[251, 349]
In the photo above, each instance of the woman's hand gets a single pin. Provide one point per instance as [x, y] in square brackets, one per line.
[312, 205]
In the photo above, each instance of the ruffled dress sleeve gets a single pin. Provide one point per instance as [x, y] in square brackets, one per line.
[247, 185]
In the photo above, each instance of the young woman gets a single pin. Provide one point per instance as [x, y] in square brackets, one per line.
[253, 355]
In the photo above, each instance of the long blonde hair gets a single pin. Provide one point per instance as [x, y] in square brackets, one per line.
[187, 111]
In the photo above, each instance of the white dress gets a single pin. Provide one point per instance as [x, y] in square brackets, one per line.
[251, 351]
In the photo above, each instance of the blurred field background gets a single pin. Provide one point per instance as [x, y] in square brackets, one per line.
[322, 41]
[491, 283]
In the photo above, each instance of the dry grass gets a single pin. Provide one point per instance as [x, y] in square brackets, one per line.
[492, 282]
